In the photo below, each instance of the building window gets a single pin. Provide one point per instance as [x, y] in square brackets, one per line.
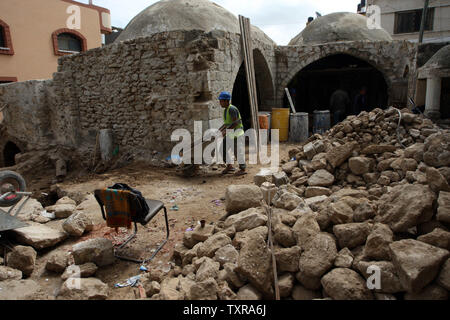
[67, 41]
[409, 21]
[5, 39]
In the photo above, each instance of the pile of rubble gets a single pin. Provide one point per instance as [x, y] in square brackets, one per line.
[360, 213]
[76, 264]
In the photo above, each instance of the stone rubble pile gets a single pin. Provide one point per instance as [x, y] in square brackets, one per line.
[356, 216]
[76, 267]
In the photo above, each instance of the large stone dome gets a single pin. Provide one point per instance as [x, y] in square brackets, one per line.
[340, 26]
[171, 15]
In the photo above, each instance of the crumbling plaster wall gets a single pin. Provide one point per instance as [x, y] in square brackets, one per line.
[26, 114]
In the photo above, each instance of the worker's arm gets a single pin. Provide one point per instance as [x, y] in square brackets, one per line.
[224, 128]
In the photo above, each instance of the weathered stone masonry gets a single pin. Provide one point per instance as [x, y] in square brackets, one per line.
[144, 89]
[389, 57]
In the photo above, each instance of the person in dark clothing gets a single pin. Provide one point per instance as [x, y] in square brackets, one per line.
[339, 104]
[360, 104]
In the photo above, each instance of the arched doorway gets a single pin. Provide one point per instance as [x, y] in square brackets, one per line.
[9, 153]
[313, 86]
[264, 88]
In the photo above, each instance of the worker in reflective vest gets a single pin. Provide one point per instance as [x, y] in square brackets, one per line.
[232, 120]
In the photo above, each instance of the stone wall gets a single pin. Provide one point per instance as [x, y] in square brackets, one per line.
[390, 58]
[142, 89]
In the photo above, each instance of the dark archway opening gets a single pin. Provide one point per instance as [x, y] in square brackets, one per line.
[314, 84]
[240, 97]
[445, 98]
[264, 89]
[9, 154]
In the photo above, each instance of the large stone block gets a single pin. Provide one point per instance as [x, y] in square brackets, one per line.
[351, 235]
[99, 251]
[417, 263]
[39, 236]
[242, 197]
[255, 264]
[22, 258]
[338, 155]
[361, 165]
[345, 284]
[248, 219]
[318, 256]
[321, 178]
[406, 206]
[84, 289]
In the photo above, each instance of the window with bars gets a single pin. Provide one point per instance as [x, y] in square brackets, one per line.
[409, 21]
[69, 43]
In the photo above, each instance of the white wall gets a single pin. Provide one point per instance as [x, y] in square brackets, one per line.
[441, 27]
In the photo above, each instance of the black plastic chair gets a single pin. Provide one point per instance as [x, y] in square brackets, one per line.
[155, 206]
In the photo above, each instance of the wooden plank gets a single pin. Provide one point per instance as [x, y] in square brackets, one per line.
[247, 49]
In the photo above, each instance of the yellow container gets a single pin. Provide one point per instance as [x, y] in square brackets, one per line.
[280, 121]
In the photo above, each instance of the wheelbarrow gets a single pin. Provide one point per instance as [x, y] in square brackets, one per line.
[12, 190]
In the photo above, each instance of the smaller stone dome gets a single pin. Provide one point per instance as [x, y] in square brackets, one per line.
[440, 60]
[438, 65]
[340, 26]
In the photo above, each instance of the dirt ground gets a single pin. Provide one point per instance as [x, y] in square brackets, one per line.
[199, 197]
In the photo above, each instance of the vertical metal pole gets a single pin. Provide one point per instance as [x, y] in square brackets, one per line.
[424, 17]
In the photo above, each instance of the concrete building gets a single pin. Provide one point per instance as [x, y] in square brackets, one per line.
[168, 66]
[34, 34]
[402, 18]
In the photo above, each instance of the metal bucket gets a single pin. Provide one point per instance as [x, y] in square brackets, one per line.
[299, 127]
[321, 121]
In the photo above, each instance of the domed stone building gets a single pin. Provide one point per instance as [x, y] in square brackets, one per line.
[436, 73]
[187, 15]
[346, 55]
[166, 69]
[337, 27]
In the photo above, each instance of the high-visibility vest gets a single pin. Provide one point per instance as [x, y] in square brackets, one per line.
[239, 130]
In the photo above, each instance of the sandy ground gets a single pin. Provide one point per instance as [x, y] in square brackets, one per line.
[199, 197]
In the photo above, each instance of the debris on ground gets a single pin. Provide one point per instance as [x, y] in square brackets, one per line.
[368, 195]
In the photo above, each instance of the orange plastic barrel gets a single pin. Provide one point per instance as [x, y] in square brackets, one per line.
[263, 121]
[280, 121]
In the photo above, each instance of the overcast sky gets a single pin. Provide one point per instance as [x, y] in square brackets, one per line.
[279, 19]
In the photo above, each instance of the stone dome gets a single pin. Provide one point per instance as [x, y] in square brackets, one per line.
[438, 65]
[340, 26]
[171, 15]
[440, 60]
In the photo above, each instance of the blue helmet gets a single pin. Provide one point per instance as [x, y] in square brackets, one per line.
[225, 96]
